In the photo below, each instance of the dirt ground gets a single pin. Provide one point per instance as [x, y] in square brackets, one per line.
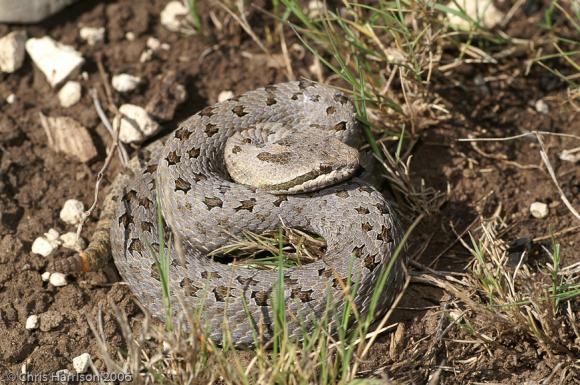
[492, 100]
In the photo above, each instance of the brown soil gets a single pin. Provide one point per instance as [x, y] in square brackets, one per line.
[35, 181]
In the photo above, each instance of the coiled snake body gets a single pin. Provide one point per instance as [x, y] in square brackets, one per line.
[206, 208]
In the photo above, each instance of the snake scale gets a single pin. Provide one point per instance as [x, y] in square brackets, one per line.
[294, 139]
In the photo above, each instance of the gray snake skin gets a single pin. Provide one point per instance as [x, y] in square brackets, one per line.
[202, 205]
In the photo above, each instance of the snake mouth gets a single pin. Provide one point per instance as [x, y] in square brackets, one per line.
[316, 179]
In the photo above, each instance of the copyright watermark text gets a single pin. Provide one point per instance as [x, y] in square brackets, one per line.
[64, 376]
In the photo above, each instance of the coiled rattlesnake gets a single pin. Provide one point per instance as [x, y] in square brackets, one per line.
[286, 139]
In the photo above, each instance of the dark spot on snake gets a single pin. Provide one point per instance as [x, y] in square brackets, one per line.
[130, 195]
[290, 281]
[147, 226]
[362, 210]
[221, 293]
[298, 209]
[330, 110]
[182, 134]
[367, 227]
[280, 199]
[315, 125]
[342, 194]
[172, 158]
[325, 168]
[315, 98]
[246, 281]
[136, 246]
[208, 112]
[341, 98]
[126, 219]
[212, 202]
[260, 297]
[370, 262]
[303, 295]
[199, 177]
[341, 126]
[304, 84]
[151, 169]
[246, 205]
[384, 234]
[187, 285]
[324, 273]
[271, 100]
[210, 275]
[193, 152]
[187, 206]
[182, 185]
[281, 158]
[247, 141]
[146, 202]
[239, 110]
[296, 95]
[155, 272]
[365, 188]
[383, 209]
[357, 251]
[211, 130]
[236, 149]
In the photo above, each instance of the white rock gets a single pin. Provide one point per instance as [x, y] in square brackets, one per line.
[32, 322]
[165, 46]
[12, 51]
[136, 124]
[130, 36]
[541, 106]
[92, 35]
[72, 212]
[57, 279]
[70, 241]
[46, 244]
[146, 55]
[45, 276]
[225, 95]
[81, 363]
[572, 155]
[52, 235]
[316, 8]
[69, 94]
[172, 15]
[10, 98]
[57, 61]
[481, 11]
[125, 82]
[539, 210]
[153, 43]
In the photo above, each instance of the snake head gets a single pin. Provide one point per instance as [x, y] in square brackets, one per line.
[281, 160]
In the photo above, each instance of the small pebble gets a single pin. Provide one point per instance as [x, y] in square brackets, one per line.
[72, 212]
[165, 46]
[32, 322]
[136, 124]
[45, 276]
[146, 56]
[153, 43]
[12, 51]
[10, 98]
[130, 36]
[70, 241]
[572, 155]
[57, 279]
[225, 95]
[46, 244]
[172, 15]
[482, 10]
[69, 94]
[81, 363]
[125, 82]
[539, 210]
[92, 35]
[541, 106]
